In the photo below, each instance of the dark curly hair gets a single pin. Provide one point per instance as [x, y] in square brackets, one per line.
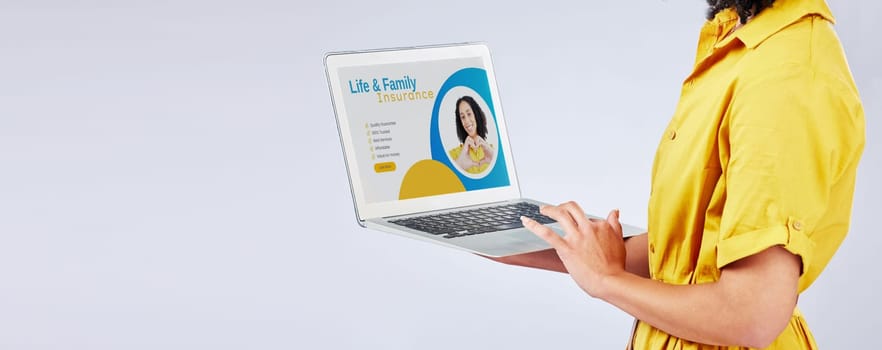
[745, 8]
[479, 119]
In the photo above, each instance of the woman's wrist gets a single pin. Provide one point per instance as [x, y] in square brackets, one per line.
[608, 287]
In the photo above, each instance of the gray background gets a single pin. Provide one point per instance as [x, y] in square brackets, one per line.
[171, 177]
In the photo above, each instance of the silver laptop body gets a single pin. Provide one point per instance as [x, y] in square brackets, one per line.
[423, 135]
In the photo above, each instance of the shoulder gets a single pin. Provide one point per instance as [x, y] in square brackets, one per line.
[805, 53]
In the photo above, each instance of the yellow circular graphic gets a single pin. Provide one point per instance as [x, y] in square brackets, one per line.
[429, 178]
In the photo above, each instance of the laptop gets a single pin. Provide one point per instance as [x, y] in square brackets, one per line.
[427, 150]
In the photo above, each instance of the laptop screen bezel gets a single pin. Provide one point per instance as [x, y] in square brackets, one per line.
[334, 61]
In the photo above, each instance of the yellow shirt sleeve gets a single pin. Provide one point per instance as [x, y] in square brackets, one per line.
[791, 164]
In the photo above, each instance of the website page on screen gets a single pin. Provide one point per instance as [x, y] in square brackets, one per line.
[423, 128]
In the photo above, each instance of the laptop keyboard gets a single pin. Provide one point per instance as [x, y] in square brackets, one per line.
[475, 221]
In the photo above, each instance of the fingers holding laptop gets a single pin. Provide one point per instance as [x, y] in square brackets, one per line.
[591, 249]
[543, 259]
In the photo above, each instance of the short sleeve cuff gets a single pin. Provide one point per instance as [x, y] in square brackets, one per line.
[792, 237]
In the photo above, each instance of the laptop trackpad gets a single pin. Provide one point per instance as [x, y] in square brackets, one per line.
[513, 242]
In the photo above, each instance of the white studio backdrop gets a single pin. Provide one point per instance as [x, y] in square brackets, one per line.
[171, 175]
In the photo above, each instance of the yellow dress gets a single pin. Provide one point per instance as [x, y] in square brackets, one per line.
[475, 155]
[761, 151]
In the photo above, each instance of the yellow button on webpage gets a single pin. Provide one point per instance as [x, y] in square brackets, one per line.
[384, 167]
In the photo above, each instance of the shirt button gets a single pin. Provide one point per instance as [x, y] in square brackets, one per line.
[651, 248]
[673, 135]
[797, 225]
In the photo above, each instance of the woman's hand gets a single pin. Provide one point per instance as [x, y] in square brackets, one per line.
[749, 306]
[488, 150]
[464, 160]
[591, 250]
[469, 144]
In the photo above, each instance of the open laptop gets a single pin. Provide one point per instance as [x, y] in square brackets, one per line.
[427, 150]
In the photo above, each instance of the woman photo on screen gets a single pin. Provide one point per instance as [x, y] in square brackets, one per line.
[474, 154]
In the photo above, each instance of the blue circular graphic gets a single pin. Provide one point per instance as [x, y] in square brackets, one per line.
[475, 79]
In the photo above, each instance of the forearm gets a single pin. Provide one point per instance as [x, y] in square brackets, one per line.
[749, 306]
[637, 258]
[698, 313]
[543, 259]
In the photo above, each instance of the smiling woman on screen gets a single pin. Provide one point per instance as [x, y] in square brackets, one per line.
[474, 154]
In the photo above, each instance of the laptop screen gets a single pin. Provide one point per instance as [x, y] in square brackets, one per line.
[420, 127]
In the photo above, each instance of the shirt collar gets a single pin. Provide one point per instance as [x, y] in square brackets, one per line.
[771, 20]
